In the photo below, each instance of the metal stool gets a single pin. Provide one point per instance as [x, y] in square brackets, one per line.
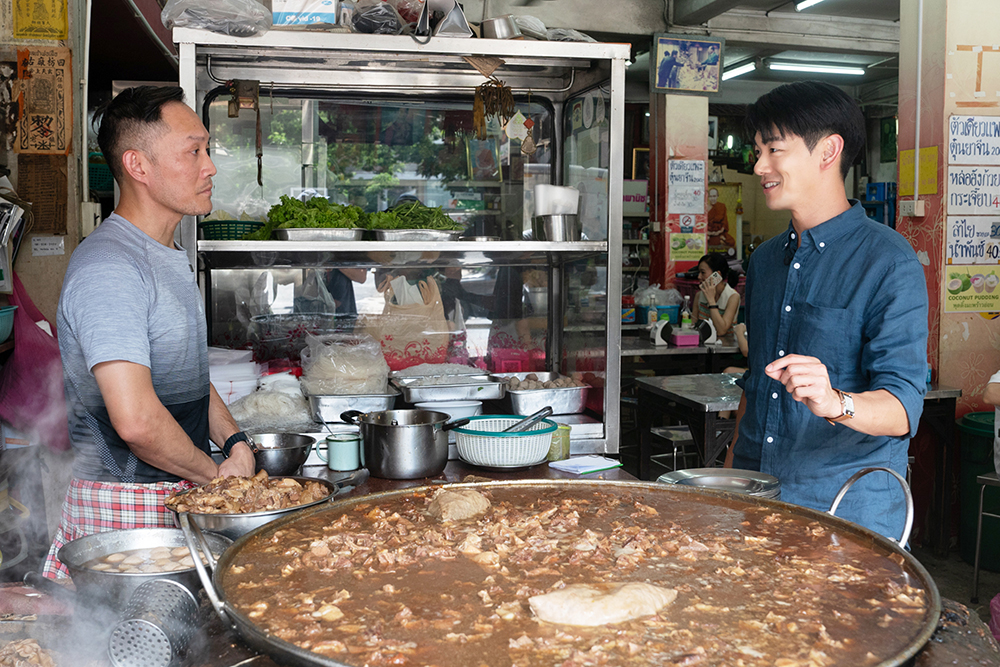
[989, 479]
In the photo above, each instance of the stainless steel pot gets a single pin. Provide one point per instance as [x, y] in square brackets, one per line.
[114, 588]
[404, 444]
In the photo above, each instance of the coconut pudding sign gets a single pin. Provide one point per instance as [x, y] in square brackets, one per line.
[973, 272]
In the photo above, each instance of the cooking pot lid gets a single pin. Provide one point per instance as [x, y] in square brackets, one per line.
[749, 482]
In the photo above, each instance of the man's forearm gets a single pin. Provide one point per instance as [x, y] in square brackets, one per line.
[878, 413]
[162, 443]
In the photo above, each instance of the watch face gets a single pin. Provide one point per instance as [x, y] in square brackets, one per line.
[847, 402]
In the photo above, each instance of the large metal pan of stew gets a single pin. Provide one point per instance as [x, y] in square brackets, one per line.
[568, 572]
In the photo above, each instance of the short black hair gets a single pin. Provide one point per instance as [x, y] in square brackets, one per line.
[717, 262]
[127, 116]
[811, 110]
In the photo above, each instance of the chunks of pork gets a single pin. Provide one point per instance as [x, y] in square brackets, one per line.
[25, 653]
[242, 495]
[457, 504]
[600, 604]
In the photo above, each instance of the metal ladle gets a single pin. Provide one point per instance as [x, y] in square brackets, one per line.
[527, 422]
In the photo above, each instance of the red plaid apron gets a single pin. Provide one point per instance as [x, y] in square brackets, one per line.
[97, 507]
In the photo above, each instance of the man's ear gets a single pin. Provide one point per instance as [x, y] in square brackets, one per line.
[832, 147]
[136, 165]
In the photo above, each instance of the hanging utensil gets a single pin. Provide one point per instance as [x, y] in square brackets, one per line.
[530, 421]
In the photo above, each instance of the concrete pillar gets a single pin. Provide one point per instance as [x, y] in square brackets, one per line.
[960, 75]
[678, 126]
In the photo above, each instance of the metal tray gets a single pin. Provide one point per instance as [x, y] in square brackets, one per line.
[319, 234]
[484, 389]
[563, 401]
[417, 235]
[329, 408]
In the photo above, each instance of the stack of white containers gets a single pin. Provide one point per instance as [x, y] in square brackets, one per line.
[233, 373]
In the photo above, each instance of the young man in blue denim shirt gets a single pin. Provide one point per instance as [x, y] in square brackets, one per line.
[836, 313]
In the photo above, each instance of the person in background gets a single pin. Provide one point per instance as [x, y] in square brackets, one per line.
[132, 332]
[837, 305]
[992, 396]
[717, 302]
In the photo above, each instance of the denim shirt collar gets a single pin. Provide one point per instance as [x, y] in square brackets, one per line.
[823, 234]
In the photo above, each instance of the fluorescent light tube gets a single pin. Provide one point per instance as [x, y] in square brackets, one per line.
[806, 4]
[739, 71]
[818, 69]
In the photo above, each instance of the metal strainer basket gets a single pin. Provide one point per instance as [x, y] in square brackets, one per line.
[482, 442]
[157, 624]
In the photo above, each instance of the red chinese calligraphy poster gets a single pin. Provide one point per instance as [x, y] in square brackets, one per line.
[45, 100]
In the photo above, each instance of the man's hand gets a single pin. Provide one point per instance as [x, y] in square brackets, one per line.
[808, 381]
[240, 462]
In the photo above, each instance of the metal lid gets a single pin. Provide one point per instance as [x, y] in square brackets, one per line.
[749, 482]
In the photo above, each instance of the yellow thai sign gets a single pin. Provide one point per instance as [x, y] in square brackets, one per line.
[40, 19]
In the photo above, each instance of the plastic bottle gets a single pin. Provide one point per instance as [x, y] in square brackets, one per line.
[686, 313]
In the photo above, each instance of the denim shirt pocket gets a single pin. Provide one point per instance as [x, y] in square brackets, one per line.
[825, 333]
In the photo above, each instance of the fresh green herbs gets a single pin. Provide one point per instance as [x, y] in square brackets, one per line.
[320, 212]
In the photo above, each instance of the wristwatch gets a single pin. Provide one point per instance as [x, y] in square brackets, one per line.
[846, 407]
[239, 436]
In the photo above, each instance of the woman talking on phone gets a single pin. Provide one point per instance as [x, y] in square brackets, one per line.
[717, 301]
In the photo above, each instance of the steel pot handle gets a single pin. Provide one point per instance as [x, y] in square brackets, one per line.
[455, 424]
[351, 416]
[906, 492]
[197, 548]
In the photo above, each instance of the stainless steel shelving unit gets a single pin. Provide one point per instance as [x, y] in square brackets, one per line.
[329, 64]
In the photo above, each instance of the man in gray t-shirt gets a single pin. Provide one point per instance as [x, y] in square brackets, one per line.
[132, 331]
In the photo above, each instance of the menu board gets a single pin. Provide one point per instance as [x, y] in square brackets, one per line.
[685, 186]
[974, 140]
[973, 190]
[973, 240]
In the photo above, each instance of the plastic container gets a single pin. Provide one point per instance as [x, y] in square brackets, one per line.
[976, 430]
[556, 200]
[670, 313]
[559, 449]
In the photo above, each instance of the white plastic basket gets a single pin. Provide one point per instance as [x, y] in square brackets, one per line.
[482, 443]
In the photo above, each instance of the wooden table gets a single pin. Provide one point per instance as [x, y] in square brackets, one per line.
[696, 401]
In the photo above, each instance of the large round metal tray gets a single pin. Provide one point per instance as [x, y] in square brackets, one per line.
[837, 531]
[235, 525]
[750, 482]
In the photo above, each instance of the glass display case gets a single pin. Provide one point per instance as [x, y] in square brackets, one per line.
[371, 121]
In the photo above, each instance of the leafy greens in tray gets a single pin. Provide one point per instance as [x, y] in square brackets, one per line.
[292, 213]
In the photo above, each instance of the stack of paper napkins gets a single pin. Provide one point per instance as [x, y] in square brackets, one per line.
[581, 465]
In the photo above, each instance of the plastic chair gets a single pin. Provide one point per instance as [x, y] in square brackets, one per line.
[989, 479]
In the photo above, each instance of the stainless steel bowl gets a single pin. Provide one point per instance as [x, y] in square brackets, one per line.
[558, 228]
[115, 588]
[501, 27]
[235, 525]
[281, 454]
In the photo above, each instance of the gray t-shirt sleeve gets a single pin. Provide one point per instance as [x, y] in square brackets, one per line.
[109, 312]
